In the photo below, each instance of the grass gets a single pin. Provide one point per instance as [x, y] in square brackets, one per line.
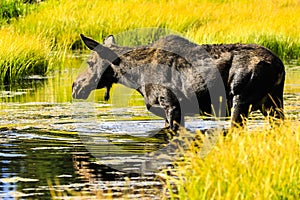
[273, 24]
[262, 163]
[22, 56]
[10, 10]
[203, 21]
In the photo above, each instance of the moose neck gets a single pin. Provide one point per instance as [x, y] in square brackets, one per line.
[138, 67]
[126, 75]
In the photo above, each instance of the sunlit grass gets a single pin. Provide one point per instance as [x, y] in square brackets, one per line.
[262, 163]
[273, 24]
[22, 56]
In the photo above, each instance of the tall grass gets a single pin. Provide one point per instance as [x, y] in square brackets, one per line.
[262, 163]
[273, 24]
[10, 10]
[22, 56]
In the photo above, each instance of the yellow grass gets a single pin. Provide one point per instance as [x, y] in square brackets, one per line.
[22, 55]
[272, 23]
[262, 163]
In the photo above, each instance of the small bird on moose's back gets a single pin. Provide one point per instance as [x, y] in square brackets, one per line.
[177, 77]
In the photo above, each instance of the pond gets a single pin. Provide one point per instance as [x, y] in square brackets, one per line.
[51, 145]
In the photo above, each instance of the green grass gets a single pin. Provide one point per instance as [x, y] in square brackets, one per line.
[262, 163]
[58, 24]
[22, 56]
[10, 10]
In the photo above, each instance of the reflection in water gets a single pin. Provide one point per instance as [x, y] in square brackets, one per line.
[30, 160]
[39, 140]
[24, 165]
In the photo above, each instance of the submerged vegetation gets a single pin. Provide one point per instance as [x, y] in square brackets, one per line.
[56, 25]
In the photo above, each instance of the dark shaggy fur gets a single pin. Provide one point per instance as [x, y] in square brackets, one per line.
[177, 77]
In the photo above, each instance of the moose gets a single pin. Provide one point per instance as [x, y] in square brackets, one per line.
[177, 77]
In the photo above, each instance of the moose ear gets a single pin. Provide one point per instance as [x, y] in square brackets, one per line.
[90, 43]
[109, 40]
[103, 52]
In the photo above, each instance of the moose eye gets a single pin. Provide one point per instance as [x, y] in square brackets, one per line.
[90, 63]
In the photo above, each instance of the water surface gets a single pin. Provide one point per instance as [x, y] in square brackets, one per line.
[48, 141]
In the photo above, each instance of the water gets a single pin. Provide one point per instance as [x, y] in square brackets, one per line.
[51, 145]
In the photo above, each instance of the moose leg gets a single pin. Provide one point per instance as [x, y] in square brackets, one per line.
[162, 102]
[106, 95]
[168, 101]
[273, 107]
[172, 112]
[156, 109]
[240, 111]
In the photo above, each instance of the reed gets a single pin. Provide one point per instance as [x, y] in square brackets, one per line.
[262, 163]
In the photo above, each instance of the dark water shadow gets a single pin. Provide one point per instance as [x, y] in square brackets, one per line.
[32, 161]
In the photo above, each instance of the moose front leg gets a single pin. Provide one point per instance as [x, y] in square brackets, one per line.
[164, 110]
[162, 102]
[172, 111]
[106, 95]
[159, 111]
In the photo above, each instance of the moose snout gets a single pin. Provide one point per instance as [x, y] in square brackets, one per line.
[78, 92]
[81, 90]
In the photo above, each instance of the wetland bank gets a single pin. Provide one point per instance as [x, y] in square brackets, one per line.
[42, 154]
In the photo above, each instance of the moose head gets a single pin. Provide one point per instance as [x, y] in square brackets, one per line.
[100, 73]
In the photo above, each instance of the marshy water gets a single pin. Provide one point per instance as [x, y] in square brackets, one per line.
[52, 144]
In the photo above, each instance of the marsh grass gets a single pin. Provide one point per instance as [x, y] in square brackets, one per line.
[273, 24]
[262, 163]
[22, 56]
[270, 23]
[10, 10]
